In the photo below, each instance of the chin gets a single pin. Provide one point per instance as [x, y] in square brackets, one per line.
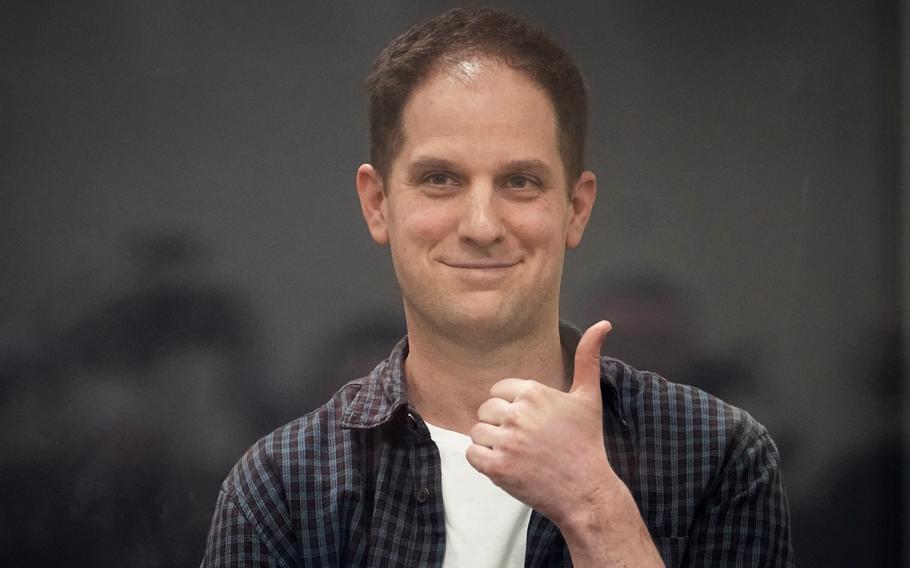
[476, 315]
[480, 320]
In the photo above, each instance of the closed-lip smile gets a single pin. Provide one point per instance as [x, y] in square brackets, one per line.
[479, 265]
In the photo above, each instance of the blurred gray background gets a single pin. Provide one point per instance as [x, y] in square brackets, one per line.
[183, 266]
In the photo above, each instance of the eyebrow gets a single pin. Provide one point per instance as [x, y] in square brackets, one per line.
[532, 166]
[421, 165]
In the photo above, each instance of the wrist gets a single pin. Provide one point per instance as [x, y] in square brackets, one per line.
[603, 513]
[609, 531]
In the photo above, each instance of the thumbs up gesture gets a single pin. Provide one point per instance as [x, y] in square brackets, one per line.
[543, 446]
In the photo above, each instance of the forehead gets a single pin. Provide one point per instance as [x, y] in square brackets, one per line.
[479, 110]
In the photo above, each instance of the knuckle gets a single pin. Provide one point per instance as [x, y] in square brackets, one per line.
[511, 416]
[532, 391]
[511, 443]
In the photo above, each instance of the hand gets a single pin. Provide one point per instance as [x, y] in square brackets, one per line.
[543, 446]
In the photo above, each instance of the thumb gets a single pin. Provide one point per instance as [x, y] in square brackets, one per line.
[587, 358]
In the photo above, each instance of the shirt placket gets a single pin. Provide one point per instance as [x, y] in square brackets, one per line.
[426, 475]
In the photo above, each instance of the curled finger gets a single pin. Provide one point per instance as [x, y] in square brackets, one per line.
[492, 411]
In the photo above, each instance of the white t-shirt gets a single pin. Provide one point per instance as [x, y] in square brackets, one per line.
[485, 526]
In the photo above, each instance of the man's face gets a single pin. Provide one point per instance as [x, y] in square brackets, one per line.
[475, 205]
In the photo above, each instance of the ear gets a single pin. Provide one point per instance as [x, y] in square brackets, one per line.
[582, 200]
[372, 202]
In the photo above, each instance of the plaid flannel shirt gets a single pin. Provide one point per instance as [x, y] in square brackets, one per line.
[357, 482]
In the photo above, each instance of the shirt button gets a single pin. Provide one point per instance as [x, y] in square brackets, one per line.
[423, 494]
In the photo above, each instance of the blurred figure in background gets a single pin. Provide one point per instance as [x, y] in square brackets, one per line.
[153, 392]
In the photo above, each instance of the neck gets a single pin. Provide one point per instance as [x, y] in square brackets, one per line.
[448, 378]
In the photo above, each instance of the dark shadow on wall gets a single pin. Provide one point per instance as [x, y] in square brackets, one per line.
[860, 501]
[120, 426]
[362, 344]
[656, 328]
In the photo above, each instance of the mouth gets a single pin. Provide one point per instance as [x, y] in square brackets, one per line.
[479, 265]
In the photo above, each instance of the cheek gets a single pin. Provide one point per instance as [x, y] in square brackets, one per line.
[540, 229]
[420, 225]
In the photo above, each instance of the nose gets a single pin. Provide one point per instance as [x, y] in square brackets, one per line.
[480, 222]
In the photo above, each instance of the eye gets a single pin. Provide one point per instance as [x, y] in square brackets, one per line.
[438, 179]
[520, 182]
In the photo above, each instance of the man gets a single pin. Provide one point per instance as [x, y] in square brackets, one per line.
[493, 435]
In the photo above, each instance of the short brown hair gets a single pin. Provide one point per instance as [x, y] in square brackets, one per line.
[413, 56]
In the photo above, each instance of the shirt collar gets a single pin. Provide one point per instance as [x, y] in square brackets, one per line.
[384, 392]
